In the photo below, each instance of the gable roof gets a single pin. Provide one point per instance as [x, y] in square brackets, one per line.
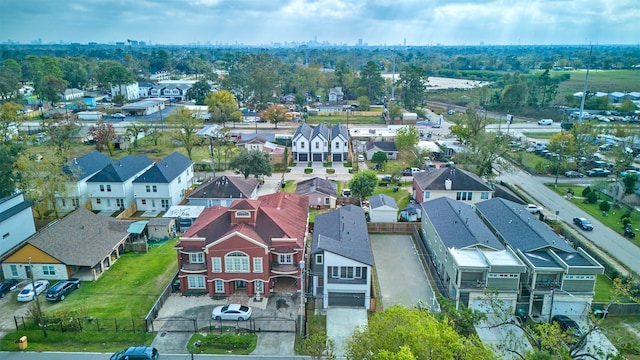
[86, 165]
[82, 238]
[304, 130]
[381, 200]
[387, 146]
[434, 179]
[343, 232]
[317, 184]
[165, 170]
[123, 169]
[321, 130]
[10, 212]
[339, 129]
[274, 219]
[235, 187]
[519, 228]
[458, 225]
[253, 140]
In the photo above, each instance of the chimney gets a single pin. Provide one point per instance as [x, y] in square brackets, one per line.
[447, 184]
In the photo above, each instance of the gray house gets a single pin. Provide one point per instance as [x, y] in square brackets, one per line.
[383, 208]
[387, 147]
[341, 258]
[321, 192]
[557, 274]
[223, 190]
[467, 256]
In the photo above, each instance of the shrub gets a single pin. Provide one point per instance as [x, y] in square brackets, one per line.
[331, 171]
[586, 191]
[308, 170]
[605, 206]
[591, 198]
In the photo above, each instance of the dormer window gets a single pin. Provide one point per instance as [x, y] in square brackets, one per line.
[243, 214]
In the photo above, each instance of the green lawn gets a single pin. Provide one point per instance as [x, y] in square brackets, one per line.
[127, 290]
[599, 80]
[538, 135]
[624, 333]
[342, 119]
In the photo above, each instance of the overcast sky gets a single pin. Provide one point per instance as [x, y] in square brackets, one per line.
[376, 22]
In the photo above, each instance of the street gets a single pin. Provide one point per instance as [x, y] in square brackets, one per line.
[102, 356]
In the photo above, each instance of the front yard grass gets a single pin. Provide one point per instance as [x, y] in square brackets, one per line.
[624, 333]
[230, 343]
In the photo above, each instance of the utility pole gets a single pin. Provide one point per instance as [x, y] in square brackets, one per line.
[35, 295]
[301, 296]
[213, 163]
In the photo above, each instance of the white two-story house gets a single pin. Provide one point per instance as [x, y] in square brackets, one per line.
[164, 184]
[339, 143]
[341, 258]
[301, 143]
[320, 143]
[450, 182]
[80, 170]
[16, 222]
[112, 187]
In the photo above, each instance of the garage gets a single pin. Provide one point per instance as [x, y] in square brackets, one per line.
[303, 157]
[317, 157]
[346, 299]
[337, 157]
[569, 308]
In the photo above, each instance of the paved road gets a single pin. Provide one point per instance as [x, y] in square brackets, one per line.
[603, 237]
[102, 356]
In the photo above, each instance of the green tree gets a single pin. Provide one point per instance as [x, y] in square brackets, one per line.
[371, 82]
[8, 119]
[274, 114]
[425, 337]
[222, 106]
[394, 111]
[380, 158]
[604, 206]
[251, 163]
[8, 176]
[463, 320]
[134, 129]
[413, 85]
[627, 106]
[319, 346]
[103, 135]
[111, 73]
[51, 87]
[630, 182]
[61, 132]
[470, 125]
[185, 127]
[363, 183]
[199, 91]
[407, 137]
[10, 73]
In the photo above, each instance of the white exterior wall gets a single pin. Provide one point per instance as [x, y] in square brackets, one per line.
[384, 214]
[16, 228]
[36, 269]
[341, 147]
[476, 196]
[129, 91]
[331, 259]
[174, 192]
[301, 146]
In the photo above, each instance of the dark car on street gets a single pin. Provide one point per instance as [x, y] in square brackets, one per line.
[7, 286]
[62, 288]
[573, 174]
[583, 223]
[137, 352]
[598, 172]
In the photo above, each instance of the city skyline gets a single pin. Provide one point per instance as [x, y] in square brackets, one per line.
[322, 22]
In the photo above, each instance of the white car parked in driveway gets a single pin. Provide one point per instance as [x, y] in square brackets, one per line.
[231, 312]
[27, 293]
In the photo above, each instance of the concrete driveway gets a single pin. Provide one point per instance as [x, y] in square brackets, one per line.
[341, 322]
[504, 336]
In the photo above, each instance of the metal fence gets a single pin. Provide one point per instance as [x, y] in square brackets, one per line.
[155, 309]
[82, 324]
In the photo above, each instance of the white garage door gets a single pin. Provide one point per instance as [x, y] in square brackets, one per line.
[569, 308]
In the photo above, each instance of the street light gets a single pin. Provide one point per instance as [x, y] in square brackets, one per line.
[553, 293]
[192, 348]
[35, 295]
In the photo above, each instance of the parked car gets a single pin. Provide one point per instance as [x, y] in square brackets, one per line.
[137, 352]
[7, 285]
[598, 172]
[118, 116]
[27, 293]
[573, 174]
[346, 193]
[534, 209]
[545, 122]
[231, 312]
[583, 223]
[360, 157]
[62, 288]
[567, 324]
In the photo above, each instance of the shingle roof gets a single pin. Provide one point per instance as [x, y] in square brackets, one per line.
[458, 225]
[16, 209]
[380, 200]
[321, 130]
[434, 179]
[305, 130]
[235, 187]
[82, 238]
[339, 129]
[521, 229]
[123, 169]
[317, 184]
[279, 215]
[87, 165]
[343, 232]
[165, 170]
[389, 146]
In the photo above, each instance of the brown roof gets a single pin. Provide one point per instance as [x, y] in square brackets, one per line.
[225, 187]
[279, 215]
[82, 238]
[245, 204]
[461, 180]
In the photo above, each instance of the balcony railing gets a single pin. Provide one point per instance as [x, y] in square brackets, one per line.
[284, 268]
[472, 284]
[346, 281]
[198, 267]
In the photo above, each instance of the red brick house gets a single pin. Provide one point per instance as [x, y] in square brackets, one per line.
[252, 247]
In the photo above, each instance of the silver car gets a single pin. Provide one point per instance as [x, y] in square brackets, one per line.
[231, 312]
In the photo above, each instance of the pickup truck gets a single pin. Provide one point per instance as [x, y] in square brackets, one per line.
[410, 171]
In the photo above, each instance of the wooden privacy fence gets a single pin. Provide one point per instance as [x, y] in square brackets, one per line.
[392, 228]
[618, 309]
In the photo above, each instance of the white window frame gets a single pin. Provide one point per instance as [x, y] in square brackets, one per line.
[197, 258]
[216, 264]
[48, 270]
[14, 270]
[259, 286]
[319, 259]
[484, 195]
[218, 286]
[286, 259]
[196, 282]
[257, 265]
[236, 262]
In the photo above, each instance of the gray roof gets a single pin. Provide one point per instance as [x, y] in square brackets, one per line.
[321, 130]
[381, 200]
[519, 228]
[458, 225]
[87, 165]
[305, 130]
[165, 170]
[386, 146]
[461, 180]
[339, 129]
[343, 232]
[82, 238]
[16, 209]
[123, 169]
[234, 187]
[317, 184]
